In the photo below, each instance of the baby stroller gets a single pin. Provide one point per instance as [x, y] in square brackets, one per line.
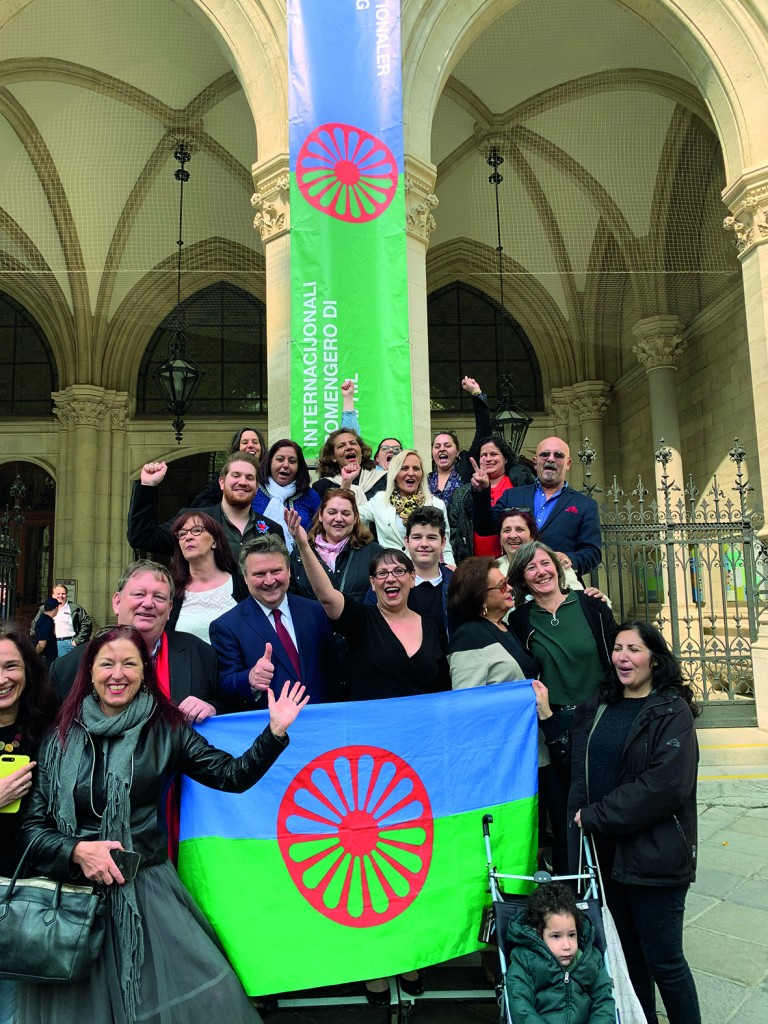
[507, 906]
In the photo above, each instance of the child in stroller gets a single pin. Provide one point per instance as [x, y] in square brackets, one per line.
[555, 973]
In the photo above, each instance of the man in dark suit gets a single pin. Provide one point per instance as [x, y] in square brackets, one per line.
[238, 480]
[568, 521]
[143, 600]
[273, 636]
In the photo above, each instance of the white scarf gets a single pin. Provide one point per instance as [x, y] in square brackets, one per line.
[279, 497]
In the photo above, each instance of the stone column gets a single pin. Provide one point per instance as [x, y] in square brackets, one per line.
[590, 403]
[113, 550]
[747, 198]
[420, 201]
[273, 222]
[82, 408]
[658, 349]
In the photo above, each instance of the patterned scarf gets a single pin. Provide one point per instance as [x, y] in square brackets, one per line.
[404, 504]
[451, 484]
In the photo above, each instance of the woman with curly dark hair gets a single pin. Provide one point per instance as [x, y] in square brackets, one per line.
[100, 788]
[207, 581]
[27, 708]
[634, 765]
[346, 461]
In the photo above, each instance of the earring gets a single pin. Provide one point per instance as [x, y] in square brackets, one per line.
[485, 610]
[214, 544]
[94, 694]
[144, 688]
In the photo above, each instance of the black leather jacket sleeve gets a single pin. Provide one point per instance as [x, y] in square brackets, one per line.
[161, 753]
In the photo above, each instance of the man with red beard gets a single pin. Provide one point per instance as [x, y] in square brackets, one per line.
[238, 480]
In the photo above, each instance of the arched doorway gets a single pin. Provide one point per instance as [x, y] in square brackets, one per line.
[27, 504]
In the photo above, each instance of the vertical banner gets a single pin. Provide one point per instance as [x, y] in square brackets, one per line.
[349, 287]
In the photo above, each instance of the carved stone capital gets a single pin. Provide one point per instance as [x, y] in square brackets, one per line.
[660, 342]
[420, 200]
[271, 199]
[590, 400]
[120, 409]
[80, 405]
[748, 202]
[559, 403]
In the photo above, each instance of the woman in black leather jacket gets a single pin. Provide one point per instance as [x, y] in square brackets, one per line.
[634, 764]
[160, 957]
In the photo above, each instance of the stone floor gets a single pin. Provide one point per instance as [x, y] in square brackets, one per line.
[726, 932]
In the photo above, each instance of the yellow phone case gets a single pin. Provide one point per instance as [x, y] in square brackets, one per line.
[8, 764]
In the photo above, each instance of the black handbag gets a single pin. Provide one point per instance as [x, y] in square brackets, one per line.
[49, 931]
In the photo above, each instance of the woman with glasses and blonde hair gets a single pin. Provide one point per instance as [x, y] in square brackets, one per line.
[205, 575]
[406, 491]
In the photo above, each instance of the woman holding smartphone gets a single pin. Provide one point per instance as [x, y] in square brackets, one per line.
[26, 710]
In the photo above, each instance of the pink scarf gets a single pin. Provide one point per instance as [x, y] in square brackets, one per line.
[329, 552]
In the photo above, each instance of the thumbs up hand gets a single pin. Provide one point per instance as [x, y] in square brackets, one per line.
[260, 676]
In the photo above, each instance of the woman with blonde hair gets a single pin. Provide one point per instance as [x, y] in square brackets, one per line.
[406, 491]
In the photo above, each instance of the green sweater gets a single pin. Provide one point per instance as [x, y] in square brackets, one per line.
[541, 992]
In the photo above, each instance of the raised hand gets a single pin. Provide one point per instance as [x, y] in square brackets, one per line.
[296, 530]
[284, 709]
[470, 384]
[348, 388]
[260, 676]
[153, 473]
[479, 480]
[350, 471]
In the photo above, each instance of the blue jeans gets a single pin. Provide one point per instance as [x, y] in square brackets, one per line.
[8, 1001]
[649, 920]
[64, 646]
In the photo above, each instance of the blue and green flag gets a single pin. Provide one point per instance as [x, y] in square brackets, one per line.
[361, 854]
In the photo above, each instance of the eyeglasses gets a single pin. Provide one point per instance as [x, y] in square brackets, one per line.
[500, 586]
[560, 456]
[390, 448]
[193, 531]
[398, 572]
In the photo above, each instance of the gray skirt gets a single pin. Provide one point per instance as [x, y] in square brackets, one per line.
[185, 977]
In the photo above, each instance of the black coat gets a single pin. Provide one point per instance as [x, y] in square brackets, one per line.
[352, 570]
[161, 753]
[652, 812]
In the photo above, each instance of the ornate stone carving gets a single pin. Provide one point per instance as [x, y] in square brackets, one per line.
[559, 403]
[272, 206]
[589, 399]
[750, 218]
[81, 405]
[420, 202]
[659, 342]
[120, 408]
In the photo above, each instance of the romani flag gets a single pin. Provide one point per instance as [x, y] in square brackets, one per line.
[363, 844]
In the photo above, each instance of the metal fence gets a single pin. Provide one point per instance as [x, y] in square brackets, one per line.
[693, 566]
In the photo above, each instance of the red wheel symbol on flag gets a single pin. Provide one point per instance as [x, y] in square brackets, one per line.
[355, 831]
[346, 172]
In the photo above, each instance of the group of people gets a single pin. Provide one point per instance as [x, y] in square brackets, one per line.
[384, 578]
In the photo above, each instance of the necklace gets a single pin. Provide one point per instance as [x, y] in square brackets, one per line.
[13, 744]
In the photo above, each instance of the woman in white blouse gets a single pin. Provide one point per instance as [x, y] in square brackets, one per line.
[206, 577]
[406, 491]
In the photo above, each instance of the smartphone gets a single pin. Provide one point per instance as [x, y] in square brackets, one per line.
[8, 764]
[127, 863]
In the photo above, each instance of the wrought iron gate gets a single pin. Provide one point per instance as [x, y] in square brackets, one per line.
[696, 569]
